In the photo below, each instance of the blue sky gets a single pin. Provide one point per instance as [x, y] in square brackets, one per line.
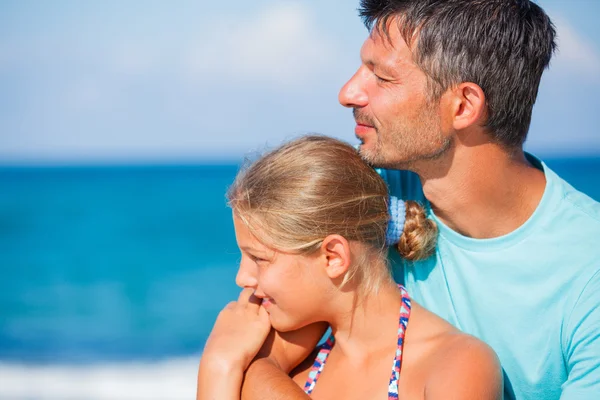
[187, 81]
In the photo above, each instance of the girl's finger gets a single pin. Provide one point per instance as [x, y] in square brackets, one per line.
[244, 296]
[254, 303]
[230, 306]
[264, 315]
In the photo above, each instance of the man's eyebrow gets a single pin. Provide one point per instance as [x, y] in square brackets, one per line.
[385, 69]
[381, 68]
[368, 60]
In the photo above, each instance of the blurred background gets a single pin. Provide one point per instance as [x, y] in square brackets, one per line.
[121, 126]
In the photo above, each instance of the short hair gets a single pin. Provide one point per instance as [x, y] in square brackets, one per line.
[501, 45]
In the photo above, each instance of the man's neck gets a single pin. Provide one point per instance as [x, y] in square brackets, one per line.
[483, 191]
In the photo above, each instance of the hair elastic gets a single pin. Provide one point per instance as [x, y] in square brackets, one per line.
[397, 211]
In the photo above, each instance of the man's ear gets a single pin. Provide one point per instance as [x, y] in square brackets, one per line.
[467, 105]
[336, 250]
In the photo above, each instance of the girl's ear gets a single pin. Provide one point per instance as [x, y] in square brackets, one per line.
[336, 250]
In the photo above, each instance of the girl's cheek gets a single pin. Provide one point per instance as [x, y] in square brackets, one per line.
[266, 283]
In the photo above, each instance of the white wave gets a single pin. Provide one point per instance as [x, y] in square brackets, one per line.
[170, 379]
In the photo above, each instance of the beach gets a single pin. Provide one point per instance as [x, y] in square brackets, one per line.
[113, 275]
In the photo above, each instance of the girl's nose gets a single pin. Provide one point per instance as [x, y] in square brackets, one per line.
[246, 276]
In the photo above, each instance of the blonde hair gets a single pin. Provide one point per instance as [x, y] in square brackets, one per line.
[296, 195]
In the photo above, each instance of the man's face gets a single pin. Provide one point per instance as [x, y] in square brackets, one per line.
[396, 123]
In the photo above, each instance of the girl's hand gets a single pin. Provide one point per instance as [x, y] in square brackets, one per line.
[239, 332]
[288, 349]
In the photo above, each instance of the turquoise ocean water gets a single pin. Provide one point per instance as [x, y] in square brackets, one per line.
[113, 276]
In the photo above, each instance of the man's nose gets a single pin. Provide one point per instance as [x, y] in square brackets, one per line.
[246, 276]
[352, 94]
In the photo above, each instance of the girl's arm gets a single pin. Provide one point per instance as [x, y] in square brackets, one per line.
[266, 381]
[268, 378]
[218, 381]
[238, 334]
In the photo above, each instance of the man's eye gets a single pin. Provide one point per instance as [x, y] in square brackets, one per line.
[381, 80]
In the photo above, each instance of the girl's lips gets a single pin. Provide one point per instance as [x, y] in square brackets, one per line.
[266, 302]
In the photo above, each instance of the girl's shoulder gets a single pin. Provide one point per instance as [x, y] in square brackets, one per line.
[466, 367]
[442, 360]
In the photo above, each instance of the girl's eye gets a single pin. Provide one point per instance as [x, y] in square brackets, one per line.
[257, 259]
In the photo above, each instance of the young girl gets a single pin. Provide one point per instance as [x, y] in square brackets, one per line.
[313, 223]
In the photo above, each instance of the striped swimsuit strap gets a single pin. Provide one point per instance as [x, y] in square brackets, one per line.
[326, 347]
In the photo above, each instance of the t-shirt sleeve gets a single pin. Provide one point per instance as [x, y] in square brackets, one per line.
[405, 185]
[582, 345]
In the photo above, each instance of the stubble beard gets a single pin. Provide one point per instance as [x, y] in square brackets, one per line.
[406, 147]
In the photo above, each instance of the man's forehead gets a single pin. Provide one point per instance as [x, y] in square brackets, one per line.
[389, 30]
[385, 49]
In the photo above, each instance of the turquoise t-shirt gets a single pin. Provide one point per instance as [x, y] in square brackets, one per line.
[533, 295]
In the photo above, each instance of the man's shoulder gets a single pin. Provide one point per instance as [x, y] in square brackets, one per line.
[575, 224]
[575, 201]
[581, 202]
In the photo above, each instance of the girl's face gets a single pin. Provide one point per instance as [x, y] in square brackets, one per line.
[291, 286]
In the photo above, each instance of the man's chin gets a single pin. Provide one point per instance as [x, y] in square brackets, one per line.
[371, 156]
[364, 149]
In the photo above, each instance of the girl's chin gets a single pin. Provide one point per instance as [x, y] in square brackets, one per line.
[286, 326]
[283, 327]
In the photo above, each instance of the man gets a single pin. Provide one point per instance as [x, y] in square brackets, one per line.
[446, 90]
